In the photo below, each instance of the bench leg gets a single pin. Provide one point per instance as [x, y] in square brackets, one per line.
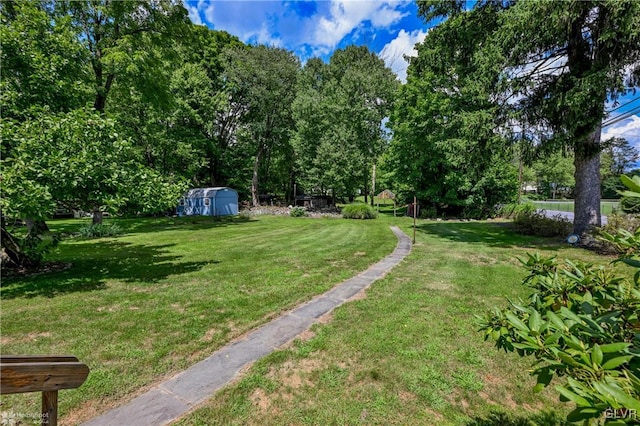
[49, 408]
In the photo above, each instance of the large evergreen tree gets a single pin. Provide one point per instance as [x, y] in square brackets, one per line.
[446, 147]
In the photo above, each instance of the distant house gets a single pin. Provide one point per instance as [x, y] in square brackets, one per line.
[219, 201]
[314, 201]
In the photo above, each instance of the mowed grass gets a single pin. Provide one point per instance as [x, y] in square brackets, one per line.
[409, 352]
[606, 207]
[142, 306]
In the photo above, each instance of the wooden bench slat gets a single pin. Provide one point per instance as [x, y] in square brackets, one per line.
[37, 358]
[41, 376]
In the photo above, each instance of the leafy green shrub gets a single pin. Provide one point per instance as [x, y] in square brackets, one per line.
[536, 223]
[617, 222]
[99, 230]
[582, 322]
[358, 211]
[428, 213]
[630, 205]
[298, 212]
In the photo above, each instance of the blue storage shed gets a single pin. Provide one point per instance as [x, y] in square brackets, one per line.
[220, 201]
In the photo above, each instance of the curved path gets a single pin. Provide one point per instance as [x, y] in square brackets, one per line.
[183, 392]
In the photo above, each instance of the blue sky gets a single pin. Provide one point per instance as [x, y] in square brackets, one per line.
[317, 28]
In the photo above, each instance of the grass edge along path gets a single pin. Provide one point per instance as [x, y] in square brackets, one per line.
[186, 390]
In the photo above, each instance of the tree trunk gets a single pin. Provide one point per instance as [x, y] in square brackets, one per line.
[373, 183]
[11, 254]
[366, 190]
[97, 217]
[587, 190]
[36, 226]
[255, 199]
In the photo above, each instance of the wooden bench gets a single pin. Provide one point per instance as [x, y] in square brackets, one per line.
[46, 374]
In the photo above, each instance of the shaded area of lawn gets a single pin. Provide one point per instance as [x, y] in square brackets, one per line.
[504, 419]
[492, 234]
[98, 262]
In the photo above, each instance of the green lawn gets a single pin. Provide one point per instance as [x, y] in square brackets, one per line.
[606, 207]
[409, 353]
[142, 306]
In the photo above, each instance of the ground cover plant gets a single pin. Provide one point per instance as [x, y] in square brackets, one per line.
[409, 351]
[358, 211]
[168, 292]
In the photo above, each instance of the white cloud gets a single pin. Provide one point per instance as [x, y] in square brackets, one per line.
[194, 14]
[345, 16]
[404, 44]
[207, 8]
[262, 36]
[628, 128]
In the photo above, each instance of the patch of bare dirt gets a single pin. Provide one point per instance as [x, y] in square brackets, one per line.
[362, 294]
[494, 380]
[260, 399]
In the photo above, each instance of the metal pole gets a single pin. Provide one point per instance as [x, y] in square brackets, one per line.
[414, 219]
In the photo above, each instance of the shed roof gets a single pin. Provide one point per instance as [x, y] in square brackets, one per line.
[206, 192]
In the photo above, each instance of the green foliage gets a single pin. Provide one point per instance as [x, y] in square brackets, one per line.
[554, 173]
[126, 41]
[617, 223]
[298, 212]
[531, 222]
[428, 213]
[582, 322]
[519, 51]
[80, 160]
[262, 83]
[445, 147]
[358, 211]
[43, 62]
[92, 230]
[338, 111]
[630, 205]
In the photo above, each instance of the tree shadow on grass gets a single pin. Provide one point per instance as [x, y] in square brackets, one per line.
[503, 419]
[152, 224]
[490, 234]
[107, 260]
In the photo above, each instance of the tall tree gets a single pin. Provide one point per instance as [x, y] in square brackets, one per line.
[445, 144]
[263, 80]
[205, 112]
[579, 58]
[339, 110]
[119, 37]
